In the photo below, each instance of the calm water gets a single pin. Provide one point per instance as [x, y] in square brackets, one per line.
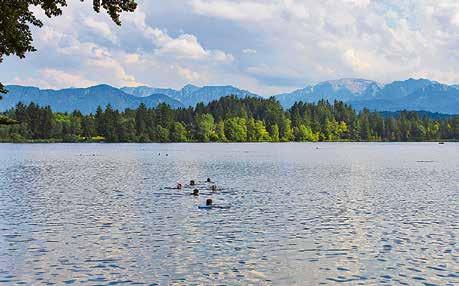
[353, 214]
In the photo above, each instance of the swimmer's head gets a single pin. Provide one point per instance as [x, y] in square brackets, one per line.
[213, 188]
[192, 183]
[195, 192]
[208, 202]
[208, 180]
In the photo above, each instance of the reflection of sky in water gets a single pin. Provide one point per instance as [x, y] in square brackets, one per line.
[354, 213]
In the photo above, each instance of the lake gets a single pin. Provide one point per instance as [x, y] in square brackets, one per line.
[296, 214]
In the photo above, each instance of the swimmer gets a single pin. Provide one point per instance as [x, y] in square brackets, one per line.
[192, 183]
[207, 206]
[208, 180]
[213, 188]
[195, 192]
[179, 186]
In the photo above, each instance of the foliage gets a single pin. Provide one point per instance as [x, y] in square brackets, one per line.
[229, 119]
[7, 121]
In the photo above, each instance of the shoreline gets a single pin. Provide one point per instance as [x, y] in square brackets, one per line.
[197, 142]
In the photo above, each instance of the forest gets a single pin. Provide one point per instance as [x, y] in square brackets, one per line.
[230, 119]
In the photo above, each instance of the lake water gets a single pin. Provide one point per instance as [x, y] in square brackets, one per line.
[300, 214]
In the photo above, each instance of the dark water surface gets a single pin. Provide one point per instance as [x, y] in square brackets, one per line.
[346, 213]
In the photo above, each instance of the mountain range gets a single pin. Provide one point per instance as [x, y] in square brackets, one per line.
[84, 99]
[190, 95]
[411, 94]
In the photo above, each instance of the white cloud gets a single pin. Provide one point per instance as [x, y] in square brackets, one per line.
[235, 10]
[188, 74]
[185, 46]
[282, 44]
[53, 78]
[101, 28]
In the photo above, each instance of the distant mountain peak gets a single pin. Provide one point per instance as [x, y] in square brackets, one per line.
[188, 86]
[355, 85]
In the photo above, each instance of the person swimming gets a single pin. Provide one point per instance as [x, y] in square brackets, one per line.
[192, 183]
[208, 180]
[179, 186]
[195, 192]
[210, 205]
[213, 188]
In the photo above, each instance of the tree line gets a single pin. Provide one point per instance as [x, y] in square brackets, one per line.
[229, 119]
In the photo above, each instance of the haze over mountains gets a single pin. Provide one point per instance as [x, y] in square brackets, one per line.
[411, 94]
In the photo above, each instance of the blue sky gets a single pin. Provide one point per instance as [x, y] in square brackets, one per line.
[266, 46]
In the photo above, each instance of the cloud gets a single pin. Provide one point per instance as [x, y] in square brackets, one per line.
[235, 10]
[187, 73]
[185, 46]
[101, 28]
[265, 46]
[53, 78]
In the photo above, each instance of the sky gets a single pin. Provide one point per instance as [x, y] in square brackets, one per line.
[265, 46]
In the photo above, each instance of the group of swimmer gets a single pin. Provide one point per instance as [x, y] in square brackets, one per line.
[213, 188]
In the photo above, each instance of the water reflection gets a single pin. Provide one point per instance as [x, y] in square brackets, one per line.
[343, 213]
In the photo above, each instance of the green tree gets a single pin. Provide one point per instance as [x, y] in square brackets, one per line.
[220, 131]
[162, 134]
[236, 129]
[251, 132]
[274, 132]
[88, 127]
[261, 134]
[304, 133]
[179, 133]
[204, 127]
[141, 115]
[287, 131]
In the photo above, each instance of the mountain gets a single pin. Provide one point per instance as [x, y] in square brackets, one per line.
[400, 89]
[343, 89]
[414, 95]
[190, 95]
[139, 91]
[84, 99]
[410, 94]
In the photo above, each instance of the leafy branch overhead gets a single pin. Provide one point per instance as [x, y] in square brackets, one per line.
[16, 17]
